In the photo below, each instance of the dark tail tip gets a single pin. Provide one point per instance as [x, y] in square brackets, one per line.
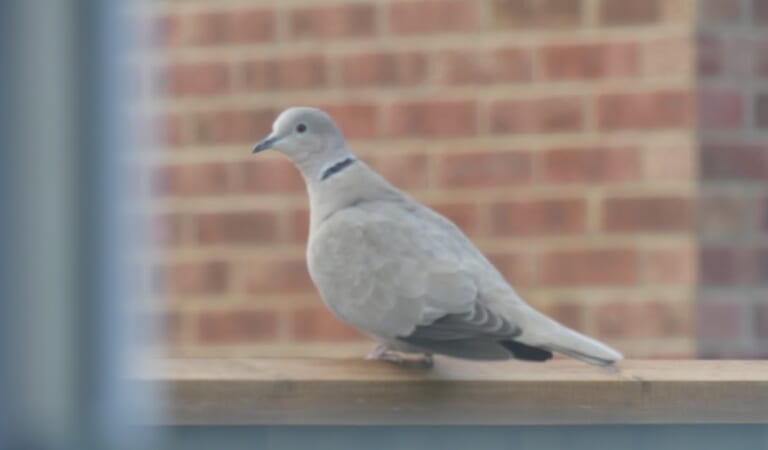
[526, 352]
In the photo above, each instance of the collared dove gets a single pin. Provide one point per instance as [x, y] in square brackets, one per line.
[403, 274]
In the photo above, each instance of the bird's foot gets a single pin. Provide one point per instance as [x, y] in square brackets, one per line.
[382, 353]
[376, 352]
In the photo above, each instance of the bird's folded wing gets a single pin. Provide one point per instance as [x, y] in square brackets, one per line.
[480, 323]
[403, 275]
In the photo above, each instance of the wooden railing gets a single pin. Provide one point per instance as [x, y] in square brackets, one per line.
[332, 392]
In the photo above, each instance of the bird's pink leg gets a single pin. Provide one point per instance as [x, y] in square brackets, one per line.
[381, 353]
[376, 352]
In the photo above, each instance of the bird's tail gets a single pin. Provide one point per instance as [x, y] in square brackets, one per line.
[583, 348]
[561, 339]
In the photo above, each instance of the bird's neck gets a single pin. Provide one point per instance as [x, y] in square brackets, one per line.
[314, 163]
[342, 184]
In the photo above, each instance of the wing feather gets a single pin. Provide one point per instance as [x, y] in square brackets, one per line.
[381, 267]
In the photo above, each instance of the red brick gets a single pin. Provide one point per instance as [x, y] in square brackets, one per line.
[166, 229]
[318, 324]
[252, 25]
[719, 319]
[674, 265]
[651, 110]
[515, 267]
[265, 176]
[761, 256]
[536, 13]
[723, 214]
[286, 73]
[729, 350]
[585, 267]
[300, 225]
[761, 111]
[537, 115]
[734, 162]
[761, 320]
[709, 55]
[384, 69]
[432, 16]
[228, 327]
[622, 12]
[208, 28]
[195, 79]
[330, 22]
[590, 165]
[505, 65]
[162, 30]
[589, 61]
[277, 276]
[760, 58]
[356, 120]
[438, 118]
[407, 171]
[737, 56]
[464, 214]
[725, 266]
[570, 314]
[186, 279]
[237, 227]
[759, 12]
[539, 217]
[214, 28]
[484, 169]
[166, 129]
[763, 211]
[721, 109]
[231, 126]
[720, 11]
[646, 319]
[191, 179]
[656, 214]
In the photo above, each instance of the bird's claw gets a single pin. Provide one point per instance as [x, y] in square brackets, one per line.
[381, 353]
[376, 352]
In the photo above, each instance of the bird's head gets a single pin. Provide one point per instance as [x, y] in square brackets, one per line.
[307, 136]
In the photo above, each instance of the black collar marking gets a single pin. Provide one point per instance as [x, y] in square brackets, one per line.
[336, 168]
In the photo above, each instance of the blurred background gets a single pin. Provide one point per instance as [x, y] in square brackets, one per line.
[609, 156]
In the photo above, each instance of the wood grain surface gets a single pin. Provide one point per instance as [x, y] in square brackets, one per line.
[342, 391]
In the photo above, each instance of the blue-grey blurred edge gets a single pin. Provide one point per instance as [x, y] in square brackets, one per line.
[65, 278]
[66, 283]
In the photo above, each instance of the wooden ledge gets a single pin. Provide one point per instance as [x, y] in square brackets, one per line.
[334, 392]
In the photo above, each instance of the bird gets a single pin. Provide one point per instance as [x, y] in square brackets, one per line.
[401, 273]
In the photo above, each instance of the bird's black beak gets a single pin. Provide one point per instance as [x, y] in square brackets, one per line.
[266, 144]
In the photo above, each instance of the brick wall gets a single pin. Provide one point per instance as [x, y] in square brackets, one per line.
[733, 156]
[560, 135]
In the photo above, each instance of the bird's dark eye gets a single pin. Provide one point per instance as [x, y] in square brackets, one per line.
[301, 128]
